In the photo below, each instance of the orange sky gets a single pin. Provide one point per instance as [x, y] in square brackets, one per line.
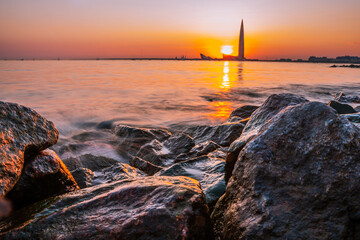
[169, 28]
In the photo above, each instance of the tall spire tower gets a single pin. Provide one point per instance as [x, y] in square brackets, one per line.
[241, 55]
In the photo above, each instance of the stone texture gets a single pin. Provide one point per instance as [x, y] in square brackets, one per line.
[90, 161]
[272, 106]
[43, 176]
[23, 132]
[145, 208]
[299, 177]
[208, 171]
[145, 166]
[223, 134]
[83, 177]
[244, 111]
[341, 108]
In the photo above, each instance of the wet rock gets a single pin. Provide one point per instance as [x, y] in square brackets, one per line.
[297, 177]
[244, 111]
[199, 150]
[119, 171]
[354, 118]
[89, 161]
[131, 139]
[145, 208]
[222, 135]
[272, 106]
[152, 152]
[341, 97]
[341, 108]
[83, 177]
[144, 165]
[208, 171]
[357, 109]
[23, 132]
[69, 147]
[43, 176]
[219, 153]
[179, 143]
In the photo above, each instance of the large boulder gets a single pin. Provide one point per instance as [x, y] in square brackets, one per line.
[43, 176]
[272, 106]
[208, 171]
[299, 177]
[23, 132]
[145, 208]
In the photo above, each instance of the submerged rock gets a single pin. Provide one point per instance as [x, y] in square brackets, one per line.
[43, 176]
[272, 106]
[298, 177]
[23, 132]
[208, 171]
[341, 108]
[145, 208]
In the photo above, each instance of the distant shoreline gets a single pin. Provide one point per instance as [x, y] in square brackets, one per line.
[172, 59]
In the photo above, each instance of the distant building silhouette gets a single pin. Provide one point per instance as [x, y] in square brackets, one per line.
[241, 54]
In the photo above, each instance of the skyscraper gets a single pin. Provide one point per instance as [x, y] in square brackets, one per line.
[241, 55]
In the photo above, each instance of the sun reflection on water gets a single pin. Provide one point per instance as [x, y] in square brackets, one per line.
[222, 109]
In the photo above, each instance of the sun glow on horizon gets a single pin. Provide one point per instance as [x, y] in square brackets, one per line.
[227, 49]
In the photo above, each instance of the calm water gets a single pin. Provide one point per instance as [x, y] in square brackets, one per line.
[160, 93]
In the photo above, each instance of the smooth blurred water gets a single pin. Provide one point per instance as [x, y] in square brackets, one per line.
[161, 93]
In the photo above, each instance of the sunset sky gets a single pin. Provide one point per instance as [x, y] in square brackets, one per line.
[169, 28]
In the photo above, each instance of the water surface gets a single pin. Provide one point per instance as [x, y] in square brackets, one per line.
[160, 93]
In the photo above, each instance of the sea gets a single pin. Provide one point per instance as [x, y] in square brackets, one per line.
[78, 94]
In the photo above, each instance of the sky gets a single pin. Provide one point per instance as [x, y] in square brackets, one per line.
[168, 28]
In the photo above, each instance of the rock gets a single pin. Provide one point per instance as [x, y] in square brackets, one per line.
[208, 171]
[144, 208]
[244, 111]
[219, 153]
[179, 143]
[341, 108]
[152, 152]
[355, 118]
[299, 176]
[222, 135]
[92, 162]
[83, 177]
[119, 171]
[144, 165]
[341, 97]
[131, 139]
[43, 176]
[23, 132]
[357, 109]
[199, 150]
[272, 106]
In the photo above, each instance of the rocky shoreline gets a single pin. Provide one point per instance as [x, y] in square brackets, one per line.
[288, 169]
